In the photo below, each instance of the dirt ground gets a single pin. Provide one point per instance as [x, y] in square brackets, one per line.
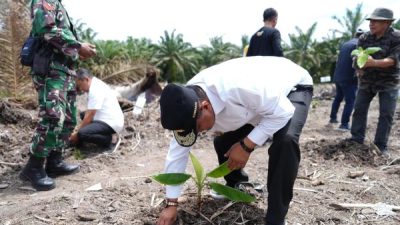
[331, 172]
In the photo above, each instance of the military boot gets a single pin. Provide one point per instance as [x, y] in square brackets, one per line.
[55, 165]
[34, 172]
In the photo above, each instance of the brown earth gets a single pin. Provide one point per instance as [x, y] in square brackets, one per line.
[129, 196]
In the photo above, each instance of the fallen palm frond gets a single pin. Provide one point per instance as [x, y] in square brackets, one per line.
[14, 79]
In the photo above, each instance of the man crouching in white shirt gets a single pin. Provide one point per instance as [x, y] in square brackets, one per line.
[103, 116]
[249, 100]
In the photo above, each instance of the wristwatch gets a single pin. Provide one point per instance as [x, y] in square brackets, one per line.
[171, 203]
[244, 147]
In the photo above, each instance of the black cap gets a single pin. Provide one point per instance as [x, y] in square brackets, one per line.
[358, 33]
[179, 106]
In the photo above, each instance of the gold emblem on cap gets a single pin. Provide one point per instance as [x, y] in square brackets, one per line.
[187, 140]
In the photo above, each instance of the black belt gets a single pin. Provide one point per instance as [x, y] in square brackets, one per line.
[302, 87]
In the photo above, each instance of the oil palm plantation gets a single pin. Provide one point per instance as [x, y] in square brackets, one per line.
[301, 48]
[177, 59]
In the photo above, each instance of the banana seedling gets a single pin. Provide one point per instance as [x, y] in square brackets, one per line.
[201, 180]
[362, 54]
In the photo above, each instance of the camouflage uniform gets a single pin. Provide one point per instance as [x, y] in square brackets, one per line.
[381, 81]
[56, 90]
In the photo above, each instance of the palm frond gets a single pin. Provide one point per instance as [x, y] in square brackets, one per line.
[15, 28]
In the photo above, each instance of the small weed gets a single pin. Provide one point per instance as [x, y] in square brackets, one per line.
[78, 154]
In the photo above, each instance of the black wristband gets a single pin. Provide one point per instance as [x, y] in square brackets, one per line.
[244, 147]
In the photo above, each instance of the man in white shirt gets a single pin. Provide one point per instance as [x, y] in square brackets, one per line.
[103, 116]
[249, 100]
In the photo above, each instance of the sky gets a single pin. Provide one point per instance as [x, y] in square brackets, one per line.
[200, 20]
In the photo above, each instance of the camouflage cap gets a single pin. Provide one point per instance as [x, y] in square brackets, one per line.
[381, 14]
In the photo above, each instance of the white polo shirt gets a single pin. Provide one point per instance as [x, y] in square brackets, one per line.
[247, 90]
[102, 99]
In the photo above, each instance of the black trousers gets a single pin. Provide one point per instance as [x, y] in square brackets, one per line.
[96, 132]
[284, 157]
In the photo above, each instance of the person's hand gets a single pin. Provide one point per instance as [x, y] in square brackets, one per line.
[73, 138]
[86, 51]
[237, 157]
[168, 216]
[370, 62]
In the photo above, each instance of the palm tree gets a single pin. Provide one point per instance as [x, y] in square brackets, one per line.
[351, 21]
[110, 55]
[139, 49]
[396, 25]
[85, 33]
[327, 52]
[177, 59]
[301, 49]
[222, 51]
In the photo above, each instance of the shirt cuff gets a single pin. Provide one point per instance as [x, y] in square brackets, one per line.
[258, 136]
[173, 191]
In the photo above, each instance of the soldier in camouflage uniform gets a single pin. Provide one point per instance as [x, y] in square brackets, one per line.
[380, 75]
[56, 93]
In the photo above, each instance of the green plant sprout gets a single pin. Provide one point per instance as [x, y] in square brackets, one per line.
[200, 179]
[78, 154]
[362, 54]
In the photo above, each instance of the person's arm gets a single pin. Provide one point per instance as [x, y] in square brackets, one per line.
[176, 162]
[275, 111]
[391, 60]
[62, 38]
[250, 50]
[88, 118]
[379, 63]
[276, 43]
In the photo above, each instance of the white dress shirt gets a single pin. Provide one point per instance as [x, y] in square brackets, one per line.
[247, 90]
[102, 99]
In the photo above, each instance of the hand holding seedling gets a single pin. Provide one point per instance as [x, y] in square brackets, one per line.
[168, 215]
[363, 56]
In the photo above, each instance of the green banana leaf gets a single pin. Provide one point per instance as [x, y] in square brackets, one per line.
[362, 55]
[171, 178]
[232, 193]
[372, 50]
[220, 171]
[198, 169]
[362, 59]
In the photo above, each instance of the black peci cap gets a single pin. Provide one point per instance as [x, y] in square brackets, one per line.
[178, 105]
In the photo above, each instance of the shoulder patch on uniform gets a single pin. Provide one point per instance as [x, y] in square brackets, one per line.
[49, 5]
[260, 33]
